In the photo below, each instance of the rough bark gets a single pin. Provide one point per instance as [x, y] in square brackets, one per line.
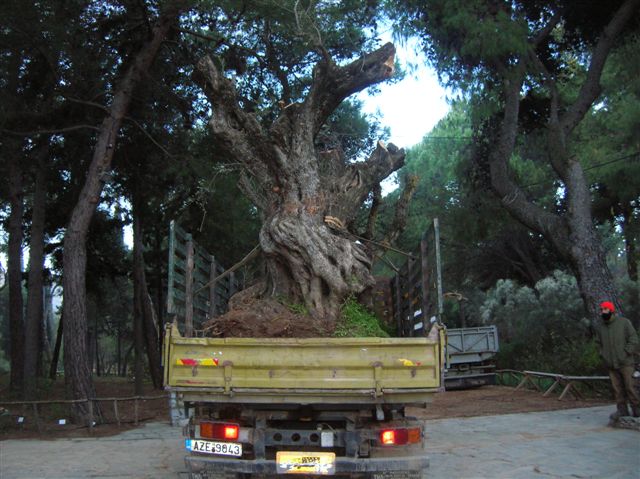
[35, 310]
[306, 197]
[629, 231]
[76, 360]
[573, 235]
[53, 369]
[145, 314]
[14, 275]
[138, 342]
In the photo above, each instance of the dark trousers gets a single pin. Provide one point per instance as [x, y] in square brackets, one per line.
[623, 387]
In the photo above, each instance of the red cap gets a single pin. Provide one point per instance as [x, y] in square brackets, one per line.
[609, 305]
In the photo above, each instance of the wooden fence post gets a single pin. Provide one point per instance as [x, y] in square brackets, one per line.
[171, 308]
[436, 240]
[188, 289]
[398, 304]
[213, 306]
[424, 283]
[411, 291]
[90, 404]
[115, 411]
[36, 416]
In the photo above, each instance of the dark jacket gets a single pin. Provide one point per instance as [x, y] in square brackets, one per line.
[617, 341]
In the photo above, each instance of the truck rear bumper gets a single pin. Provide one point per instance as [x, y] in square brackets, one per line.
[344, 465]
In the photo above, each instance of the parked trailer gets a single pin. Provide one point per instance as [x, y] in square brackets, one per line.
[470, 352]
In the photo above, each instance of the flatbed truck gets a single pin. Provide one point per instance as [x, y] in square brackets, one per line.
[270, 407]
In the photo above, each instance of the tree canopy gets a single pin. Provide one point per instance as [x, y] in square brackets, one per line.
[236, 119]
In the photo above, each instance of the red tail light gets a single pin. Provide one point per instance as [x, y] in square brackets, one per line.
[400, 436]
[219, 430]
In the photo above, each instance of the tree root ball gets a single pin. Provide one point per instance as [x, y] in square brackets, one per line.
[250, 315]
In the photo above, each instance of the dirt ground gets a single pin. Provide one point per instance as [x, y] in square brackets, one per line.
[490, 400]
[49, 415]
[483, 401]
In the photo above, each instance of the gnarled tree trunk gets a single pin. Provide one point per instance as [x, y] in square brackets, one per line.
[307, 198]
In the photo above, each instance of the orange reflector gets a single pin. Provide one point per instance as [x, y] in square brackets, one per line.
[217, 430]
[398, 437]
[414, 435]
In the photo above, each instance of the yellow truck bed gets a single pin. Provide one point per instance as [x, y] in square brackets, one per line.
[302, 371]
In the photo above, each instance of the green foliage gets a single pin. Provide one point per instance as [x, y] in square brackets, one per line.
[542, 328]
[358, 321]
[296, 308]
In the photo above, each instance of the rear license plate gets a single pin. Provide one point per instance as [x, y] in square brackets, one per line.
[214, 447]
[289, 462]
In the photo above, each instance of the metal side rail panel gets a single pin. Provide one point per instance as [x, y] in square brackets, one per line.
[469, 345]
[363, 397]
[268, 369]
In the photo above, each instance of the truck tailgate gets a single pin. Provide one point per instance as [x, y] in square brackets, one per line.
[310, 370]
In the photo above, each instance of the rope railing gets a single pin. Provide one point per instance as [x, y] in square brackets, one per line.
[566, 381]
[90, 401]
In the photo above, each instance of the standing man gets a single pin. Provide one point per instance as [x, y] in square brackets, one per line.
[617, 342]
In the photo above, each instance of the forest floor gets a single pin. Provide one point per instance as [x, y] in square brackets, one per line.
[483, 401]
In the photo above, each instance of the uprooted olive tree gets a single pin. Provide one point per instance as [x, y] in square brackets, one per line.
[307, 197]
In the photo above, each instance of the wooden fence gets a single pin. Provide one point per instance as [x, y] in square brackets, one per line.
[413, 297]
[547, 383]
[26, 413]
[193, 294]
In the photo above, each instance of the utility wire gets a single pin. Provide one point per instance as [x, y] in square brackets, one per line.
[634, 156]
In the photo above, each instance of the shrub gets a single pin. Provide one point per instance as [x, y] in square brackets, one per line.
[358, 321]
[542, 328]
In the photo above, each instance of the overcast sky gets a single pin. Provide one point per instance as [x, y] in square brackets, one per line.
[413, 106]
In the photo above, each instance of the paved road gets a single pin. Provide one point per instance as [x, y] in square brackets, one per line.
[573, 443]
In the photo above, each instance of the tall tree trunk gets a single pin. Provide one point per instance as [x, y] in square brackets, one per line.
[34, 315]
[159, 276]
[630, 233]
[138, 334]
[144, 306]
[573, 234]
[118, 351]
[95, 346]
[125, 362]
[14, 273]
[76, 359]
[53, 369]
